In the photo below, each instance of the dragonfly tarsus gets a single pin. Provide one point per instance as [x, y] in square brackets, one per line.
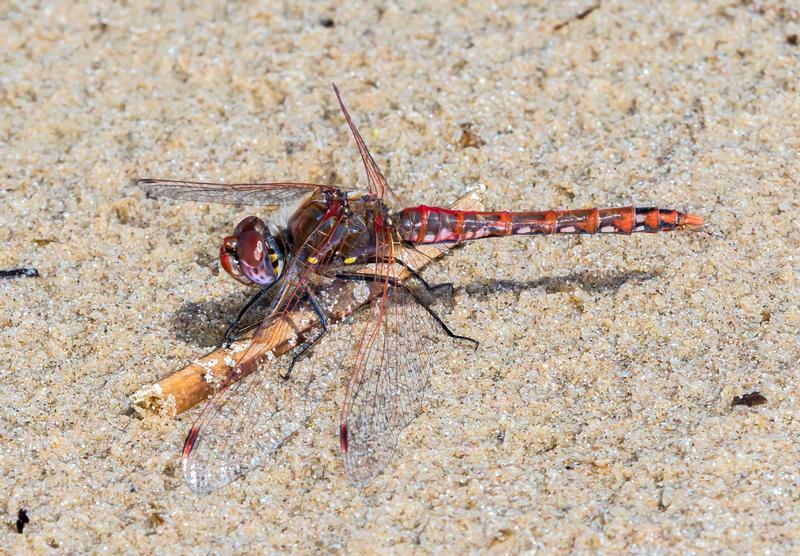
[441, 323]
[301, 350]
[416, 275]
[234, 330]
[395, 283]
[411, 271]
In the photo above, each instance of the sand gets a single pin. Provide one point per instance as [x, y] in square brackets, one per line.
[597, 415]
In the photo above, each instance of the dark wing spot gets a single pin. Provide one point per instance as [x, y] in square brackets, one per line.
[190, 441]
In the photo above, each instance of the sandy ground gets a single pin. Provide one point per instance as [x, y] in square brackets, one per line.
[597, 415]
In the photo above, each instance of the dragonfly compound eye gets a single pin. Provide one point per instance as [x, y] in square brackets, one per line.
[229, 260]
[252, 254]
[251, 223]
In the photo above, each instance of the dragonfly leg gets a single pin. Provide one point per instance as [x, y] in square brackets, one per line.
[308, 344]
[447, 286]
[395, 283]
[414, 274]
[233, 331]
[438, 319]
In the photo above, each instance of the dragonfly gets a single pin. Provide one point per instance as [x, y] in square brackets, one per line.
[335, 235]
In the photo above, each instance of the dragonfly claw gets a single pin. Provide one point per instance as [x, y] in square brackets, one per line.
[230, 337]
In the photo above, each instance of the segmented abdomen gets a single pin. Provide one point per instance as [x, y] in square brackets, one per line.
[424, 224]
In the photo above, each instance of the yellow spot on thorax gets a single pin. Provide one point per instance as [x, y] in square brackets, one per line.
[349, 260]
[313, 260]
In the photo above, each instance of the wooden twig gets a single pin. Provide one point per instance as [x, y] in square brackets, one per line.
[193, 384]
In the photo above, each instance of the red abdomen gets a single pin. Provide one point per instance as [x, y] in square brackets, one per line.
[424, 224]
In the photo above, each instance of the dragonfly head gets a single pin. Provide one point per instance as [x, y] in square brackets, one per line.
[252, 255]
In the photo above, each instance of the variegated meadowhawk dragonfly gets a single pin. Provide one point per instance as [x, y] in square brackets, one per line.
[337, 235]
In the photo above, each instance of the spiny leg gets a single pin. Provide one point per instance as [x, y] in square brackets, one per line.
[308, 344]
[414, 274]
[395, 283]
[439, 320]
[232, 334]
[444, 285]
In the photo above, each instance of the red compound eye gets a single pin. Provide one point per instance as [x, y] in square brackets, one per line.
[229, 261]
[250, 223]
[248, 255]
[251, 249]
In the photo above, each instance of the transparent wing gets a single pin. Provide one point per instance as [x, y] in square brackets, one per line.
[436, 275]
[377, 183]
[390, 375]
[255, 409]
[256, 194]
[247, 421]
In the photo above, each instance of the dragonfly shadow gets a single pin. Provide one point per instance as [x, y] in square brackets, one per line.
[204, 324]
[594, 282]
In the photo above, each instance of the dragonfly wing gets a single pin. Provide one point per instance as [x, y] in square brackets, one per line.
[255, 408]
[251, 418]
[377, 183]
[389, 378]
[256, 194]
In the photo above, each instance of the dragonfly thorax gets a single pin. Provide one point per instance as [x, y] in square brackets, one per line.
[252, 255]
